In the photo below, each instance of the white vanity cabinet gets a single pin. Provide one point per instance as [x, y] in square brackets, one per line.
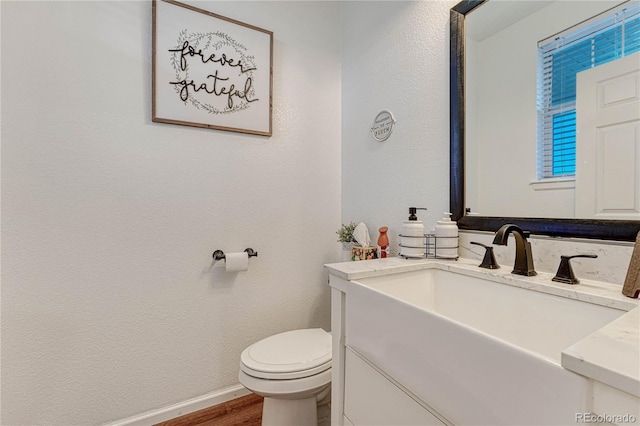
[613, 406]
[363, 395]
[607, 356]
[398, 362]
[371, 398]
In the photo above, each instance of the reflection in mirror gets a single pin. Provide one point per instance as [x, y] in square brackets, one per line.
[493, 134]
[524, 155]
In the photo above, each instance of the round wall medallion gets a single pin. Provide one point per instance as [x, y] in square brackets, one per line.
[383, 125]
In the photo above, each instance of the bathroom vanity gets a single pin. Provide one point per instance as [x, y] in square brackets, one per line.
[434, 342]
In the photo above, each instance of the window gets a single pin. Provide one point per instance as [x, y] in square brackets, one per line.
[600, 40]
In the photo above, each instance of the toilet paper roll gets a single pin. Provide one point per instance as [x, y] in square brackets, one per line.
[235, 262]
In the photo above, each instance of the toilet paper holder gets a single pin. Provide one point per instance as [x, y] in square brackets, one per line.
[219, 254]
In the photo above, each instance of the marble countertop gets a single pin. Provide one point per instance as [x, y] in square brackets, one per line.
[610, 355]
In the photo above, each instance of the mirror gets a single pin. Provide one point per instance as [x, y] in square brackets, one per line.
[621, 230]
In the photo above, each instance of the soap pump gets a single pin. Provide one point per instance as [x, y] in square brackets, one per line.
[412, 239]
[446, 232]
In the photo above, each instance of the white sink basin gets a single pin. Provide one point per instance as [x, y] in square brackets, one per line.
[539, 322]
[477, 351]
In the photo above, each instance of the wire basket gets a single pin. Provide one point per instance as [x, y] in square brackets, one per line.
[428, 246]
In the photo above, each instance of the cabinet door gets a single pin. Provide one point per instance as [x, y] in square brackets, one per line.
[373, 400]
[614, 406]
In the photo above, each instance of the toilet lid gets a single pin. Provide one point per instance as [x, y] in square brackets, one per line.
[288, 355]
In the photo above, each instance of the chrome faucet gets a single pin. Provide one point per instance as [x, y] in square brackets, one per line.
[524, 258]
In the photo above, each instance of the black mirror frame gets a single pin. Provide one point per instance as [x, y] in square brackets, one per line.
[617, 230]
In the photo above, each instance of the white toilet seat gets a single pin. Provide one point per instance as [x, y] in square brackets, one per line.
[290, 355]
[305, 387]
[285, 376]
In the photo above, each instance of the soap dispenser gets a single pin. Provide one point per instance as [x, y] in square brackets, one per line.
[412, 239]
[446, 232]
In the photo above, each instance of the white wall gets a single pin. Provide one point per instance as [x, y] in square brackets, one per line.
[110, 306]
[395, 57]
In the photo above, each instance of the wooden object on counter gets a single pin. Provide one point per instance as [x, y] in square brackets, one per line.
[383, 241]
[631, 287]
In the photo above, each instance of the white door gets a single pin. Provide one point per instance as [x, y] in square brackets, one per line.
[608, 141]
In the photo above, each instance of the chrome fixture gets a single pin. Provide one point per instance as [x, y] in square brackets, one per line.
[524, 258]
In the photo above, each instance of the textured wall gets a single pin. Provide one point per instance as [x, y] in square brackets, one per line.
[110, 306]
[395, 57]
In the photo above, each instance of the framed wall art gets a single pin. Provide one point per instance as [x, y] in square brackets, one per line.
[210, 71]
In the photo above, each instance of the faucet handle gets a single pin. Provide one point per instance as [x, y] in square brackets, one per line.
[565, 271]
[489, 260]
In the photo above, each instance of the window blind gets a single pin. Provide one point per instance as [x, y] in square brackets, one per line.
[600, 40]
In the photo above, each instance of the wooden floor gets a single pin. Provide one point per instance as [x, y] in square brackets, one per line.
[244, 411]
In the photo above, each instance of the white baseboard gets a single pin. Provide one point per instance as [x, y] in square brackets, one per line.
[185, 407]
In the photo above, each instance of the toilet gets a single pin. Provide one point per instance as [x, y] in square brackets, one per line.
[292, 371]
